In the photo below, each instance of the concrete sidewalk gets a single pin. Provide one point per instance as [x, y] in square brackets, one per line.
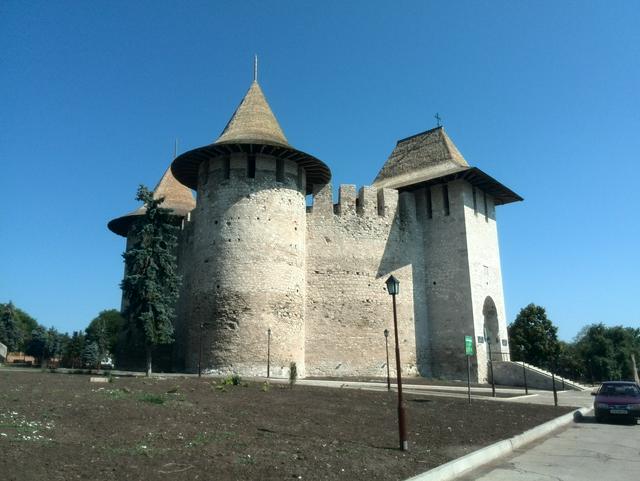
[585, 451]
[565, 398]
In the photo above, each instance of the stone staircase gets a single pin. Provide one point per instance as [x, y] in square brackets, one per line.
[509, 373]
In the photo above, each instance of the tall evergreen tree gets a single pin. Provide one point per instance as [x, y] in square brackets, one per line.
[91, 355]
[150, 285]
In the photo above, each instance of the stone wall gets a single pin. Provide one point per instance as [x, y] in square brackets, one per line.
[446, 277]
[185, 270]
[247, 267]
[485, 278]
[352, 248]
[462, 277]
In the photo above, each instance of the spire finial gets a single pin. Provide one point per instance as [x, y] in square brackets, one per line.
[255, 68]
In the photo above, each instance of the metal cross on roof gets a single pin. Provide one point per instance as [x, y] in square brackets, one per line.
[438, 119]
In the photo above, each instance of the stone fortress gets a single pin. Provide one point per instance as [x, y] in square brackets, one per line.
[264, 247]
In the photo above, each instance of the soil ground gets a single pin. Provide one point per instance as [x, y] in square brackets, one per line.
[62, 427]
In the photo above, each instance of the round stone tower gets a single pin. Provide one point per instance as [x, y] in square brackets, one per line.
[247, 251]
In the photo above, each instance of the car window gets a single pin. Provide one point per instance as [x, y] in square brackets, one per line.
[619, 390]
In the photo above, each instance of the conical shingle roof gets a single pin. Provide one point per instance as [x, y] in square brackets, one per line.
[177, 197]
[253, 128]
[253, 122]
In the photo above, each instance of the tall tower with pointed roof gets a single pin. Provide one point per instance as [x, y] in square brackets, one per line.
[463, 281]
[247, 268]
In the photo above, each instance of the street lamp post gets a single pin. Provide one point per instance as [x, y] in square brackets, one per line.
[268, 353]
[393, 287]
[558, 369]
[524, 371]
[200, 351]
[493, 382]
[386, 343]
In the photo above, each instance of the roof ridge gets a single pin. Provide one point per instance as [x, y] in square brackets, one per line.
[420, 133]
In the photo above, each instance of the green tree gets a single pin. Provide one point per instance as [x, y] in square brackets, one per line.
[72, 356]
[606, 351]
[37, 344]
[104, 330]
[53, 343]
[150, 285]
[570, 364]
[63, 341]
[11, 334]
[27, 324]
[91, 355]
[534, 338]
[24, 323]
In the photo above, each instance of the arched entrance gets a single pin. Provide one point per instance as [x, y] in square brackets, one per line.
[491, 328]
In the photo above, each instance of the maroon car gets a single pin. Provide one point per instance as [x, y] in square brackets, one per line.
[617, 399]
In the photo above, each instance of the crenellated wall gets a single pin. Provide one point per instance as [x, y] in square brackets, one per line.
[320, 284]
[352, 248]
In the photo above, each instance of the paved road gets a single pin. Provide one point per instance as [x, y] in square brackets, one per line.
[586, 451]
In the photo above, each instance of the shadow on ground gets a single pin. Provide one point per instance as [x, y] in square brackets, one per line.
[581, 419]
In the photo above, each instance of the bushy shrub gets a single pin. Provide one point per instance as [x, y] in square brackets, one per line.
[233, 380]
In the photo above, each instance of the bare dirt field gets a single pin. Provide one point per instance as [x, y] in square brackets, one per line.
[62, 427]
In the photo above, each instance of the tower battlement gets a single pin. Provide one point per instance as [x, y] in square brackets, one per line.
[368, 203]
[258, 168]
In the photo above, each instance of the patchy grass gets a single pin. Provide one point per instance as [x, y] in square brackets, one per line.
[205, 438]
[151, 398]
[16, 427]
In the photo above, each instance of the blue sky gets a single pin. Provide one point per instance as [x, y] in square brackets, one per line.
[544, 96]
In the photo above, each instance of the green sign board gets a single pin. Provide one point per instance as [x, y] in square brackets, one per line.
[468, 345]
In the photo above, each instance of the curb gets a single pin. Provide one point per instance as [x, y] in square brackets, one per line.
[490, 453]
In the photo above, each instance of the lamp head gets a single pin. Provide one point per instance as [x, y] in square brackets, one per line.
[393, 286]
[386, 333]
